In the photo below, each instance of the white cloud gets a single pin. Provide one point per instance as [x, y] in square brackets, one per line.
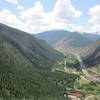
[41, 20]
[95, 14]
[19, 7]
[36, 19]
[10, 19]
[78, 28]
[7, 17]
[95, 28]
[64, 10]
[12, 1]
[95, 18]
[35, 14]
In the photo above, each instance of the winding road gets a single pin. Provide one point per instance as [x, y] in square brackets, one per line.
[94, 78]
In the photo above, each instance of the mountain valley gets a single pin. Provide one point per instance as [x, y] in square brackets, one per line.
[30, 69]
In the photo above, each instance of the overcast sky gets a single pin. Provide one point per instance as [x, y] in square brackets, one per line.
[35, 16]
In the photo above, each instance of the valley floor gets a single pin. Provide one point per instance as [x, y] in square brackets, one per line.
[84, 86]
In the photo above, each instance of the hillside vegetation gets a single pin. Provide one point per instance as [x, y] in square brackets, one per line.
[93, 54]
[25, 64]
[36, 51]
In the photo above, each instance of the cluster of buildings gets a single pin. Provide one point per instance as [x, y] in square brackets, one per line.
[77, 96]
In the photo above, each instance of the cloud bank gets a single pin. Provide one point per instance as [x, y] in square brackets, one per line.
[36, 19]
[95, 18]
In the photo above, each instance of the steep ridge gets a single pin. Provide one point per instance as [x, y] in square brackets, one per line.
[36, 51]
[23, 67]
[93, 54]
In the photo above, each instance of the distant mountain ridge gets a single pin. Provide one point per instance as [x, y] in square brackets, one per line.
[52, 36]
[63, 40]
[91, 36]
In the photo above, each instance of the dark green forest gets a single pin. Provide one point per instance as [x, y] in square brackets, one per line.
[25, 68]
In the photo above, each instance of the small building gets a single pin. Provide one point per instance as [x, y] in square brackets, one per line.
[74, 96]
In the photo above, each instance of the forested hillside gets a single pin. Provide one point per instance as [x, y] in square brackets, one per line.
[36, 51]
[25, 71]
